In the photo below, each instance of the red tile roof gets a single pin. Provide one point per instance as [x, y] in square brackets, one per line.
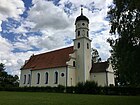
[57, 58]
[99, 67]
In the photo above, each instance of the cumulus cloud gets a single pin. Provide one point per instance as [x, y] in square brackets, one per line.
[46, 15]
[10, 9]
[56, 25]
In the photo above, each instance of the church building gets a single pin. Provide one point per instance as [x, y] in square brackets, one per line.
[67, 66]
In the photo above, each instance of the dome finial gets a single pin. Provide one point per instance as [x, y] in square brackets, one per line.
[81, 10]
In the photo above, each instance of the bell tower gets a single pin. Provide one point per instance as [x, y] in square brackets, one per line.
[82, 46]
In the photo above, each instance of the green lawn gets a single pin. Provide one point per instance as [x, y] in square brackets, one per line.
[42, 98]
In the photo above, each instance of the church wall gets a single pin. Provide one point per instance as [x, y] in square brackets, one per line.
[110, 75]
[110, 69]
[71, 70]
[22, 78]
[71, 77]
[100, 78]
[51, 77]
[111, 78]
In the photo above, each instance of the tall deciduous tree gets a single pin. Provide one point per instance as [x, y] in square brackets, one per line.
[124, 18]
[95, 56]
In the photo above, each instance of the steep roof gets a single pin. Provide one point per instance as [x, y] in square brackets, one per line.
[99, 67]
[57, 58]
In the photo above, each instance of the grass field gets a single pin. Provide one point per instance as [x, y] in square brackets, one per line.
[42, 98]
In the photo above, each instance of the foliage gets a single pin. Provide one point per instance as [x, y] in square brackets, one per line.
[95, 56]
[124, 18]
[89, 87]
[7, 80]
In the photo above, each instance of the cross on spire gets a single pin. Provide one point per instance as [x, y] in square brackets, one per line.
[81, 11]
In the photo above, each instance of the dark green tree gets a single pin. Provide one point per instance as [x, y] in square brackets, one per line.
[124, 18]
[95, 56]
[7, 80]
[2, 67]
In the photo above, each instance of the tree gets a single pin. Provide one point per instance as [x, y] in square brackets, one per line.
[2, 67]
[7, 80]
[95, 56]
[124, 18]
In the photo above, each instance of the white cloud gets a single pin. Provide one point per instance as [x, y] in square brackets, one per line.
[56, 28]
[11, 9]
[48, 16]
[5, 46]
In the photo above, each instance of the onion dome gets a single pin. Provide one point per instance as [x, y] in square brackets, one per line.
[82, 17]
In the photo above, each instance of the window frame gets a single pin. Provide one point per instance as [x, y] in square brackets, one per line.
[38, 78]
[56, 77]
[46, 78]
[24, 82]
[87, 34]
[87, 45]
[74, 64]
[29, 78]
[78, 33]
[78, 45]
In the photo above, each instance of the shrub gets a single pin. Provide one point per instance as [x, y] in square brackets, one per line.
[89, 87]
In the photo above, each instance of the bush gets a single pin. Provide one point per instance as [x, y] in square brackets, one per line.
[89, 87]
[81, 88]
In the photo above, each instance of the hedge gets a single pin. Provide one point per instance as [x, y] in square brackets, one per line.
[81, 89]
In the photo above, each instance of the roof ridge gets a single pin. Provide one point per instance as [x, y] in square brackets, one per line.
[55, 50]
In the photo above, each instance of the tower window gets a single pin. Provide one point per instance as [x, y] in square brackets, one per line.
[78, 33]
[38, 78]
[87, 46]
[87, 34]
[73, 63]
[78, 45]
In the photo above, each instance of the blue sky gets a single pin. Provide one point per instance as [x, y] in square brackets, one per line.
[36, 26]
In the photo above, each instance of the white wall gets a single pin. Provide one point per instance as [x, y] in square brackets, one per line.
[100, 78]
[110, 75]
[51, 72]
[104, 78]
[24, 72]
[111, 79]
[71, 77]
[71, 70]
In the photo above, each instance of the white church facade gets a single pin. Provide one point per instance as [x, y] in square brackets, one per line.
[67, 66]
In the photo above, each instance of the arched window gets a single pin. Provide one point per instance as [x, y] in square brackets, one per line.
[87, 46]
[56, 77]
[78, 45]
[38, 78]
[73, 63]
[78, 33]
[29, 78]
[87, 34]
[24, 79]
[46, 77]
